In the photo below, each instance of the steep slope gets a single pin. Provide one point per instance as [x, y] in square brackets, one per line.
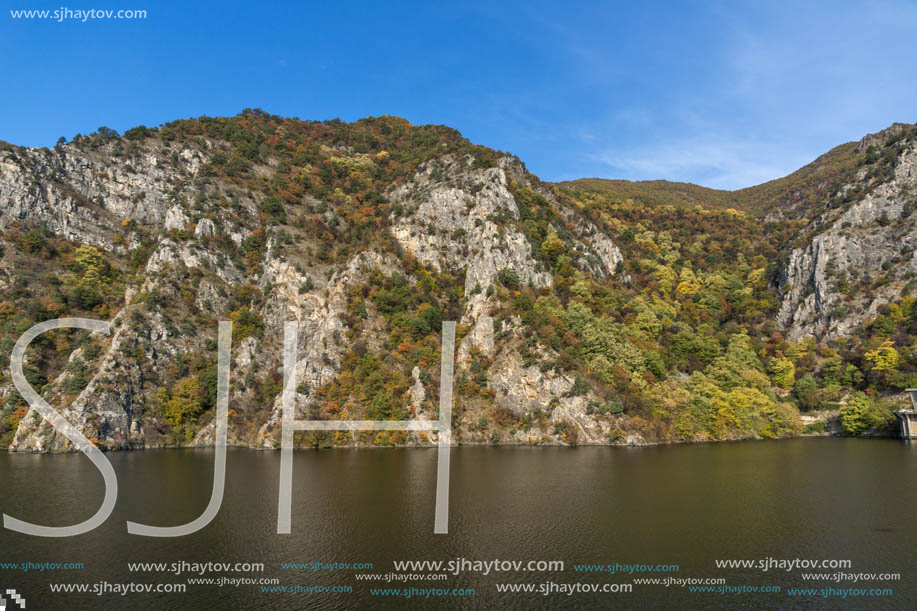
[800, 194]
[859, 253]
[850, 213]
[834, 314]
[367, 234]
[627, 313]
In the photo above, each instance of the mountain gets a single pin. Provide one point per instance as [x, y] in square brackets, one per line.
[857, 253]
[590, 312]
[655, 192]
[852, 253]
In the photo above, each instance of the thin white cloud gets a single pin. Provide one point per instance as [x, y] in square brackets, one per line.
[791, 82]
[709, 161]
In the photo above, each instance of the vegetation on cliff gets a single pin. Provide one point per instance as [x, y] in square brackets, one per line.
[678, 342]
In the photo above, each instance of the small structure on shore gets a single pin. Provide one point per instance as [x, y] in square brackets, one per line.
[908, 417]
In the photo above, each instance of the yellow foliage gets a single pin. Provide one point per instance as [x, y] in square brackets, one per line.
[885, 357]
[665, 279]
[783, 372]
[687, 288]
[756, 277]
[185, 403]
[553, 247]
[90, 259]
[7, 310]
[581, 289]
[901, 312]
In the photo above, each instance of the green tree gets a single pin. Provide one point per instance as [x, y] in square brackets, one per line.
[739, 366]
[832, 370]
[245, 323]
[508, 277]
[185, 402]
[806, 392]
[429, 319]
[783, 372]
[273, 207]
[553, 247]
[665, 279]
[855, 415]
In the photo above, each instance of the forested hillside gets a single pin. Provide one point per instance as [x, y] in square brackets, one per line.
[599, 312]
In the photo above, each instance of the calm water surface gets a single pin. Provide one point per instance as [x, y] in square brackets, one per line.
[686, 505]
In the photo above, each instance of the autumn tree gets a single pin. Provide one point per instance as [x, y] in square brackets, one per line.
[884, 358]
[184, 405]
[783, 372]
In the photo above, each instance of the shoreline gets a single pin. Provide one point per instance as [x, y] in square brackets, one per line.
[468, 445]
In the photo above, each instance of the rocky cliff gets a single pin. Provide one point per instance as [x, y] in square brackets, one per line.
[859, 254]
[184, 246]
[584, 317]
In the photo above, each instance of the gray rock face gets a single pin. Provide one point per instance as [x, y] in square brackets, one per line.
[448, 227]
[82, 196]
[110, 414]
[452, 226]
[87, 198]
[319, 314]
[205, 228]
[871, 243]
[417, 392]
[452, 216]
[525, 389]
[176, 218]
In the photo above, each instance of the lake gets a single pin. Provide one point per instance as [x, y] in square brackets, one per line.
[690, 505]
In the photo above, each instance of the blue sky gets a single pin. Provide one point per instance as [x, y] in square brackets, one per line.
[723, 94]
